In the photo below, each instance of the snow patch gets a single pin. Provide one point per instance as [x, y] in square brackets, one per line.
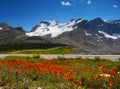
[0, 28]
[54, 28]
[106, 21]
[117, 22]
[98, 40]
[109, 36]
[80, 20]
[114, 21]
[87, 34]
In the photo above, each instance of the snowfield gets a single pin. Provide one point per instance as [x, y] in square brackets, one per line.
[53, 28]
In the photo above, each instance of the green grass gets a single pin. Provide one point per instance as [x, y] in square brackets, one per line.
[56, 50]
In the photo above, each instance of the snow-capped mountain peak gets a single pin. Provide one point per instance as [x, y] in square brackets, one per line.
[53, 28]
[106, 28]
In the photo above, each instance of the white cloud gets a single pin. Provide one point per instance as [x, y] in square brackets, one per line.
[115, 6]
[89, 2]
[65, 3]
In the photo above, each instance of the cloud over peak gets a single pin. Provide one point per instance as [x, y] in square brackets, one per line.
[115, 6]
[65, 3]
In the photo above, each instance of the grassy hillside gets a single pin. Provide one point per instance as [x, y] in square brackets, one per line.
[55, 50]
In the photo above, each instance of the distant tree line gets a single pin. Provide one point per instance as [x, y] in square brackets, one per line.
[24, 46]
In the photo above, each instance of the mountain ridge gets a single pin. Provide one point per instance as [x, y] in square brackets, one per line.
[54, 28]
[97, 36]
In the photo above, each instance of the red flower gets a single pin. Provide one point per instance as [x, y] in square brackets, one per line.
[72, 79]
[112, 72]
[73, 84]
[92, 79]
[16, 71]
[79, 82]
[104, 67]
[118, 70]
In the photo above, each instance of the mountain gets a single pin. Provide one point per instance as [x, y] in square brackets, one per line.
[97, 36]
[110, 29]
[14, 38]
[10, 35]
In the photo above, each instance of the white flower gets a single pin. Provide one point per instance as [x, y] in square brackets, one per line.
[106, 75]
[118, 72]
[39, 88]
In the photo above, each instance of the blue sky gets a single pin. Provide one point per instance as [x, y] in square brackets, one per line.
[28, 13]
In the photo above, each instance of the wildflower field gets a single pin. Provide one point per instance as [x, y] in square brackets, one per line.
[61, 73]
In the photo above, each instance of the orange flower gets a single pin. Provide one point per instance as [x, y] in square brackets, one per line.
[80, 83]
[97, 77]
[110, 84]
[77, 81]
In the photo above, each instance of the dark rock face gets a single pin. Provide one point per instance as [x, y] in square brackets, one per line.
[10, 35]
[20, 29]
[86, 26]
[110, 27]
